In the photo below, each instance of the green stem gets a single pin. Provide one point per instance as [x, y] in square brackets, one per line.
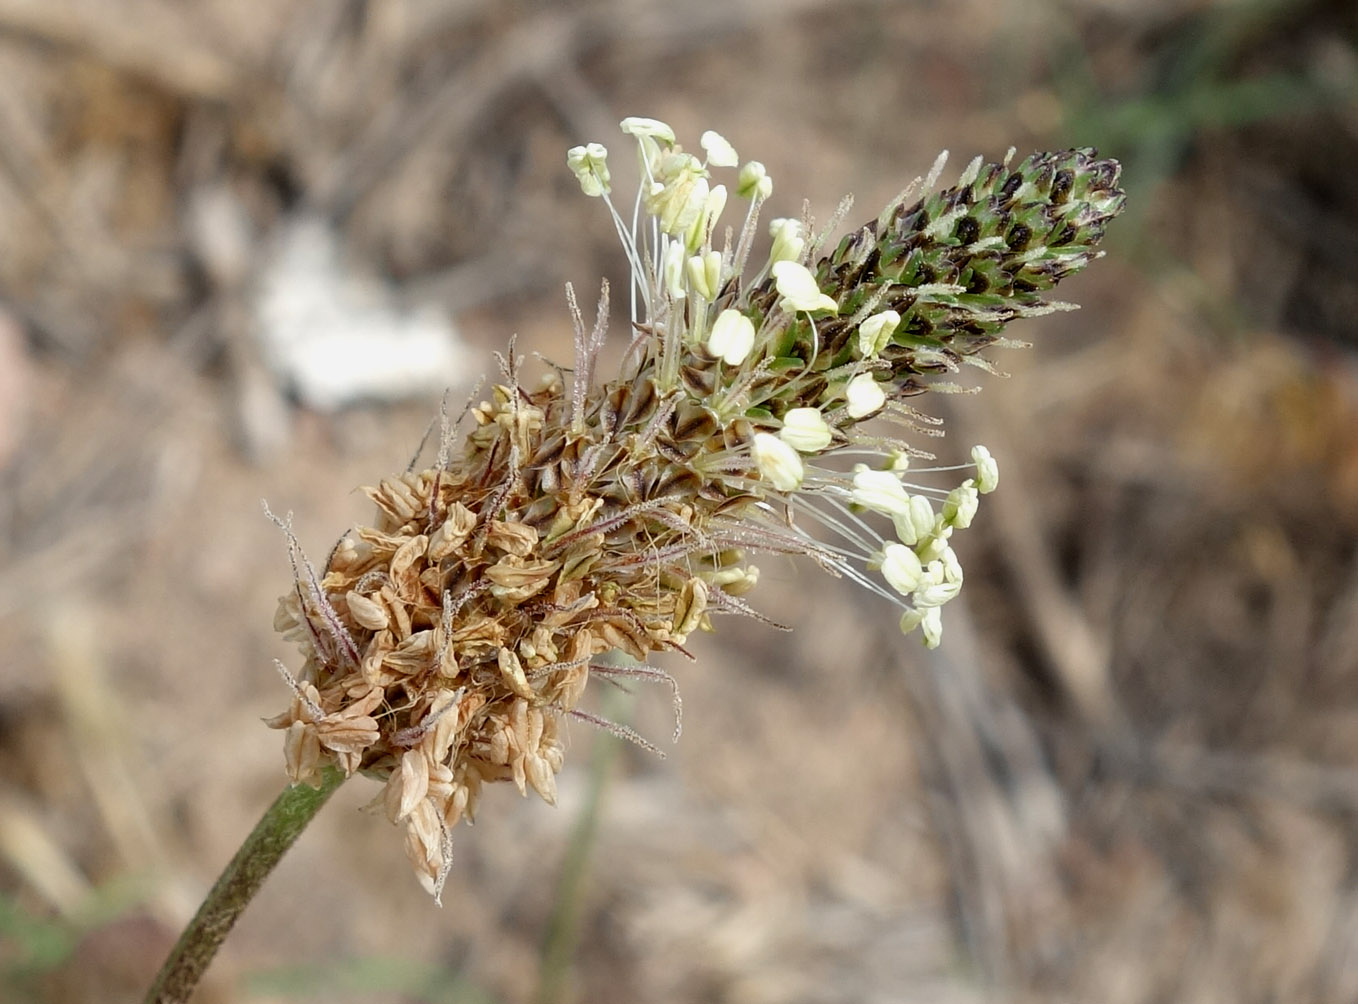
[275, 832]
[563, 927]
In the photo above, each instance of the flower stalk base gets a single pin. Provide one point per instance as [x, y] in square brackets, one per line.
[275, 832]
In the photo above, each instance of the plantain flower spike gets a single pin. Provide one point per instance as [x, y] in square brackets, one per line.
[445, 644]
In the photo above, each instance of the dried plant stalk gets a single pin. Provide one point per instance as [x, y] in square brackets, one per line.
[275, 832]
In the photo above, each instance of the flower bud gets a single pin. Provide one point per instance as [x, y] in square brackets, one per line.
[880, 491]
[960, 508]
[720, 153]
[798, 288]
[788, 241]
[778, 463]
[915, 522]
[933, 544]
[736, 580]
[682, 202]
[941, 581]
[805, 430]
[865, 396]
[707, 219]
[929, 620]
[589, 163]
[672, 268]
[704, 274]
[901, 568]
[754, 182]
[731, 337]
[875, 332]
[651, 128]
[987, 470]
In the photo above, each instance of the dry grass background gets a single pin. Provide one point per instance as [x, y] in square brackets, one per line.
[1130, 775]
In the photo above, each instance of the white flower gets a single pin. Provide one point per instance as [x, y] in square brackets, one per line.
[952, 568]
[880, 491]
[654, 140]
[987, 470]
[805, 430]
[682, 202]
[798, 288]
[720, 153]
[704, 303]
[901, 568]
[636, 126]
[672, 269]
[960, 508]
[932, 545]
[930, 620]
[707, 219]
[788, 241]
[865, 396]
[778, 463]
[754, 182]
[716, 202]
[875, 332]
[932, 626]
[941, 581]
[916, 522]
[589, 163]
[731, 337]
[736, 580]
[704, 274]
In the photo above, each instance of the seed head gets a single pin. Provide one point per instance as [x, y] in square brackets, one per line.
[444, 644]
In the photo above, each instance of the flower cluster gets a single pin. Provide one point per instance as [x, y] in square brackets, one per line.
[444, 644]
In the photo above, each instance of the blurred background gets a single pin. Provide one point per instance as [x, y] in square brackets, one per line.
[244, 247]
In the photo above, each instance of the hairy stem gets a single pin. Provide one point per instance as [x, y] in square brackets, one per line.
[275, 832]
[563, 928]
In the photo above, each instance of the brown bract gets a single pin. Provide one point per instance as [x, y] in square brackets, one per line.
[444, 643]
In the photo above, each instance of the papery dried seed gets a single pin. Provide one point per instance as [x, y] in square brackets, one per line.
[533, 739]
[517, 579]
[519, 773]
[414, 654]
[512, 671]
[541, 776]
[406, 567]
[497, 747]
[440, 784]
[287, 615]
[431, 580]
[688, 613]
[457, 526]
[399, 610]
[414, 781]
[366, 612]
[424, 842]
[394, 500]
[569, 685]
[518, 724]
[513, 538]
[302, 753]
[447, 724]
[390, 797]
[621, 638]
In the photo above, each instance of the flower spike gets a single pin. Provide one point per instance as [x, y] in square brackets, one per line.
[446, 643]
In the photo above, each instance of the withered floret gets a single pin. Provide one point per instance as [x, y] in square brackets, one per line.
[444, 643]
